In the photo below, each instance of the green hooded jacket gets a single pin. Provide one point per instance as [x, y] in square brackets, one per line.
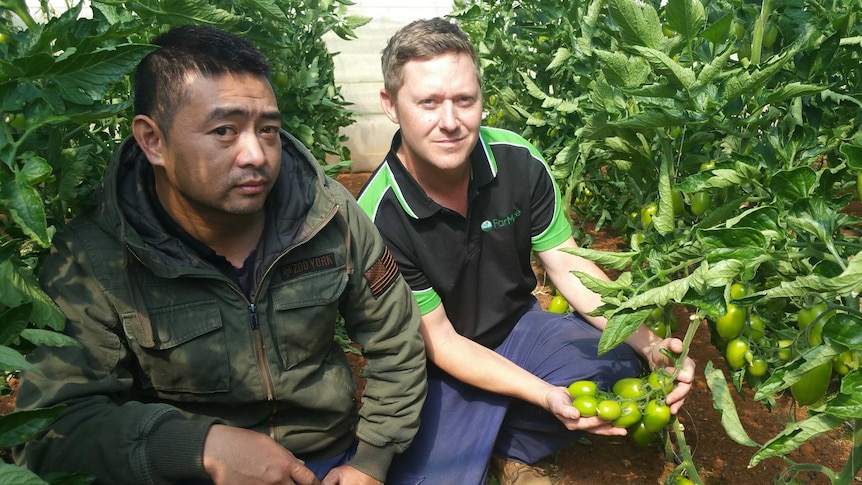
[170, 345]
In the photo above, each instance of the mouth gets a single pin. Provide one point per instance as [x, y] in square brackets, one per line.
[252, 186]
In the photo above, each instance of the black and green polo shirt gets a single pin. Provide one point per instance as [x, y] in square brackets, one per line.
[479, 267]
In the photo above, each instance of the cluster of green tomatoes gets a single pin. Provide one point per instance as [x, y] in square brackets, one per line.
[742, 335]
[635, 403]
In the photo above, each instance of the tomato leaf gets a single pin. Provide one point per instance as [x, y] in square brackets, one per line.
[25, 204]
[620, 326]
[794, 184]
[722, 401]
[20, 426]
[51, 338]
[847, 404]
[21, 287]
[13, 474]
[785, 376]
[11, 360]
[615, 260]
[794, 435]
[639, 23]
[687, 17]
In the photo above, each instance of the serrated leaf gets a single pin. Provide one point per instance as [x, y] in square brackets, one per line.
[25, 204]
[615, 260]
[795, 435]
[722, 401]
[639, 23]
[663, 221]
[686, 17]
[619, 327]
[532, 88]
[622, 70]
[20, 286]
[793, 90]
[675, 72]
[560, 57]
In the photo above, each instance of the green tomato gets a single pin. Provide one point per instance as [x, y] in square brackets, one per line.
[660, 328]
[813, 384]
[680, 480]
[641, 435]
[769, 36]
[647, 213]
[660, 380]
[844, 362]
[582, 388]
[586, 405]
[700, 202]
[656, 415]
[558, 305]
[808, 314]
[629, 414]
[735, 353]
[739, 291]
[609, 409]
[678, 205]
[629, 388]
[785, 350]
[756, 329]
[758, 367]
[730, 324]
[17, 121]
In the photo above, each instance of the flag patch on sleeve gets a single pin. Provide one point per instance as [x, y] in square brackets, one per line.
[382, 273]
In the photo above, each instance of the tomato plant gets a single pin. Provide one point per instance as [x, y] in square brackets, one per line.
[65, 85]
[767, 128]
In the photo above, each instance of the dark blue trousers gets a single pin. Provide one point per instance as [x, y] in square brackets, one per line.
[462, 426]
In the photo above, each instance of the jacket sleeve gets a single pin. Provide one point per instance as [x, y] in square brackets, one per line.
[103, 430]
[381, 315]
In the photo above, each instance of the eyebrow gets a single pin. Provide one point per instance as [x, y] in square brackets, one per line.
[221, 113]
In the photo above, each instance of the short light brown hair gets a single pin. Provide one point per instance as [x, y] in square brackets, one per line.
[423, 39]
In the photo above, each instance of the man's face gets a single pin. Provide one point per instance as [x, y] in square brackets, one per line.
[223, 152]
[439, 110]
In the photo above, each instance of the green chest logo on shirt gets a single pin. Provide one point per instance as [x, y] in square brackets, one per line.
[497, 223]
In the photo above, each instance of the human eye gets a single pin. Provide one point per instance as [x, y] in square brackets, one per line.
[223, 131]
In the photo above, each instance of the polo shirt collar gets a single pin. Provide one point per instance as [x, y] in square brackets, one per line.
[414, 200]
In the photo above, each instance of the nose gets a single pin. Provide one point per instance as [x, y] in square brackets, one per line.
[250, 150]
[448, 117]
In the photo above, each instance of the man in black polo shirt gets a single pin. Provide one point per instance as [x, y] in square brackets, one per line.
[462, 207]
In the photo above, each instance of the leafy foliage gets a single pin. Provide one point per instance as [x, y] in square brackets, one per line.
[65, 106]
[746, 112]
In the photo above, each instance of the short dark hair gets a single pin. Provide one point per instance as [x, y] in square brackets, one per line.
[423, 39]
[161, 76]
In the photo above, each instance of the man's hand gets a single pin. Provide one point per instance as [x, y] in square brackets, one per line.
[236, 456]
[559, 401]
[347, 475]
[686, 375]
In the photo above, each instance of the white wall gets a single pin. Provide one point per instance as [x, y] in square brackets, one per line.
[357, 71]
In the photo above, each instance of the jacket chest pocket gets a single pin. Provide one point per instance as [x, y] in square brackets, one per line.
[181, 348]
[303, 315]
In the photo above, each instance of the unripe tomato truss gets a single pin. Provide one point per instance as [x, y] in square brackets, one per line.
[635, 403]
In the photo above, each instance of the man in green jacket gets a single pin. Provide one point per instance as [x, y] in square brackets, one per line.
[204, 288]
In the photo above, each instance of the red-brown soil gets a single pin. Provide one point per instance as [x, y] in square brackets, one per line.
[600, 460]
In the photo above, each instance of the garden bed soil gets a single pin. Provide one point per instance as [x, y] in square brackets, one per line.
[601, 460]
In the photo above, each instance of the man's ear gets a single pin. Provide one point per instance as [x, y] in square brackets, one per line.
[387, 102]
[150, 138]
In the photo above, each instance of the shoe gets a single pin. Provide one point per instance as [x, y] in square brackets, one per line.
[515, 473]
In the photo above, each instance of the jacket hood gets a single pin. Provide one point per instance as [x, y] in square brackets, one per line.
[125, 210]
